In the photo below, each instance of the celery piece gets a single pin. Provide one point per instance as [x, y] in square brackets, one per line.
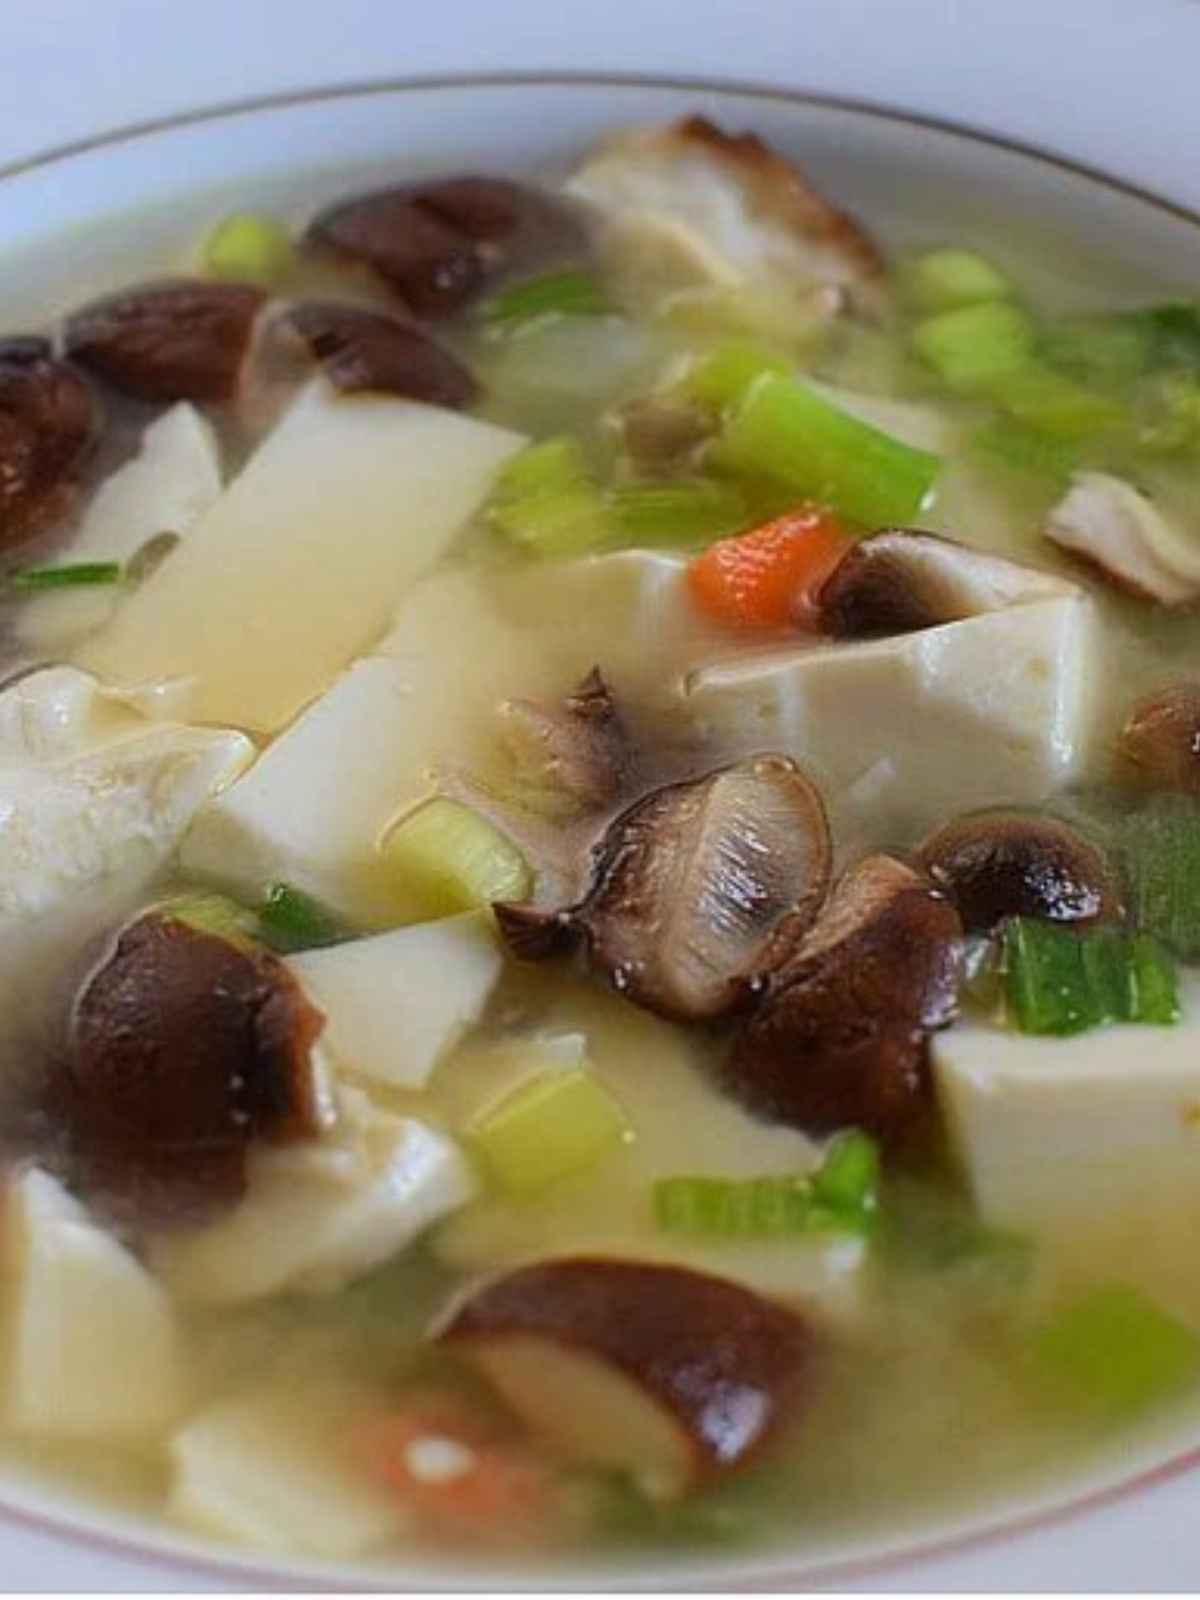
[1021, 448]
[722, 378]
[1044, 399]
[786, 431]
[289, 920]
[546, 500]
[927, 1228]
[944, 280]
[1168, 406]
[80, 575]
[1162, 851]
[1114, 1351]
[451, 859]
[554, 1125]
[847, 1181]
[250, 248]
[682, 513]
[976, 344]
[1062, 982]
[1174, 329]
[213, 913]
[1108, 350]
[569, 293]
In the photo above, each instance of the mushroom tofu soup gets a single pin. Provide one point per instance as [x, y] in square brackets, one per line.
[599, 871]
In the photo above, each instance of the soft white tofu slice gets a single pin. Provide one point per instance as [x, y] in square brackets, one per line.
[396, 1003]
[320, 1214]
[90, 1341]
[269, 1471]
[683, 1126]
[1091, 1144]
[898, 717]
[320, 797]
[165, 488]
[298, 565]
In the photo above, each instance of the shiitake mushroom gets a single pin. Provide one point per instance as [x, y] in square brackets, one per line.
[48, 425]
[361, 349]
[572, 756]
[1002, 863]
[696, 890]
[179, 339]
[840, 1038]
[1159, 745]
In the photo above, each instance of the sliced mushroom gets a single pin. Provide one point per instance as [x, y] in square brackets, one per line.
[841, 1038]
[1159, 746]
[367, 350]
[668, 1374]
[660, 432]
[181, 339]
[1003, 863]
[48, 424]
[902, 580]
[711, 209]
[1119, 531]
[696, 890]
[186, 1046]
[435, 244]
[570, 758]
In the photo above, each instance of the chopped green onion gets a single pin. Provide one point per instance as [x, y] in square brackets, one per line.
[148, 557]
[546, 500]
[555, 1125]
[1162, 850]
[927, 1229]
[971, 347]
[249, 248]
[569, 293]
[944, 280]
[786, 431]
[1114, 1351]
[448, 858]
[1174, 329]
[214, 913]
[1109, 350]
[83, 574]
[1062, 982]
[842, 1196]
[289, 919]
[722, 378]
[677, 513]
[1045, 399]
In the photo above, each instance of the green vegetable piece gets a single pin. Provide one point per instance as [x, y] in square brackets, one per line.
[289, 919]
[216, 914]
[1062, 982]
[1044, 399]
[723, 378]
[1168, 406]
[450, 859]
[248, 248]
[80, 575]
[1112, 350]
[784, 430]
[926, 1229]
[570, 293]
[677, 513]
[555, 1125]
[1162, 850]
[1174, 329]
[971, 347]
[1021, 448]
[546, 500]
[943, 280]
[1114, 1352]
[847, 1181]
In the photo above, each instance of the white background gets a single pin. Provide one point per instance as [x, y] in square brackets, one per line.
[1111, 82]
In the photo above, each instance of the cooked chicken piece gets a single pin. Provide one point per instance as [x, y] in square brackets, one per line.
[1120, 531]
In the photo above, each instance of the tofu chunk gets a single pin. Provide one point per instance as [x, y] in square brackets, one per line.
[396, 1003]
[1091, 1144]
[320, 1214]
[301, 561]
[889, 722]
[90, 1346]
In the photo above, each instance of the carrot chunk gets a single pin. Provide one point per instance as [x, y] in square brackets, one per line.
[769, 577]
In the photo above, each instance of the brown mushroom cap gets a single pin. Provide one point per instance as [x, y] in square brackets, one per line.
[1159, 746]
[841, 1038]
[368, 350]
[185, 1046]
[697, 890]
[48, 424]
[1002, 863]
[672, 1374]
[182, 339]
[572, 757]
[435, 244]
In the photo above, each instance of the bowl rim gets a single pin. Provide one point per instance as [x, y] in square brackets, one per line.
[784, 1569]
